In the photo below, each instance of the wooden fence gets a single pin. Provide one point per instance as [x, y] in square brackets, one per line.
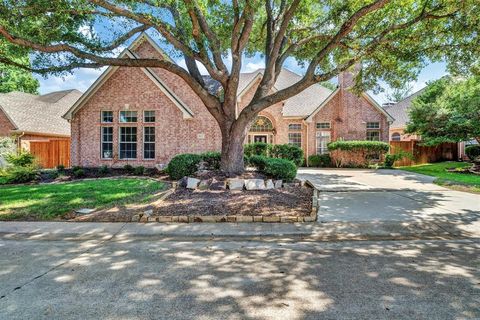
[423, 154]
[50, 153]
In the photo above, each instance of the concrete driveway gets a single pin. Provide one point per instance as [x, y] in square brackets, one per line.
[351, 195]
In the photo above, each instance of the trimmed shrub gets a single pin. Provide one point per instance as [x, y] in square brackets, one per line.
[280, 169]
[355, 145]
[20, 174]
[103, 170]
[390, 158]
[320, 160]
[139, 171]
[128, 168]
[256, 149]
[258, 162]
[78, 172]
[60, 168]
[183, 165]
[288, 152]
[21, 159]
[472, 152]
[212, 158]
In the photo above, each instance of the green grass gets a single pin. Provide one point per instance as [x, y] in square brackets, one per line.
[469, 182]
[48, 201]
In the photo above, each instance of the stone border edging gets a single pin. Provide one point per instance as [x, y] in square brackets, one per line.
[312, 217]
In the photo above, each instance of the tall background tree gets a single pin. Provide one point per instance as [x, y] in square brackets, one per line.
[447, 111]
[392, 39]
[398, 94]
[13, 78]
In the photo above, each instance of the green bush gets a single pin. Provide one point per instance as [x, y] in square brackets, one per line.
[103, 170]
[139, 171]
[280, 169]
[390, 158]
[21, 159]
[258, 162]
[320, 160]
[213, 159]
[60, 168]
[472, 152]
[20, 174]
[256, 149]
[355, 145]
[183, 165]
[128, 168]
[78, 172]
[288, 152]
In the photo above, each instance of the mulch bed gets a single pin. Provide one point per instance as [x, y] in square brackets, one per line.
[292, 201]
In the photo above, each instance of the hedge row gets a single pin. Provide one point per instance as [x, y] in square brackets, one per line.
[276, 168]
[282, 151]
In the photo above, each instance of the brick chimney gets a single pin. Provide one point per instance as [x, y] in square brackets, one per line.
[346, 79]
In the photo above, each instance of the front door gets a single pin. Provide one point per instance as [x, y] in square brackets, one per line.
[258, 138]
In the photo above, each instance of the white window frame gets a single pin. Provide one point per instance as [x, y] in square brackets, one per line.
[131, 111]
[154, 144]
[296, 144]
[102, 142]
[120, 143]
[371, 131]
[374, 127]
[317, 147]
[101, 116]
[321, 128]
[295, 125]
[399, 136]
[154, 116]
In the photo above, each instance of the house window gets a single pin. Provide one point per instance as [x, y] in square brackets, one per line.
[373, 135]
[107, 116]
[295, 126]
[261, 124]
[128, 143]
[128, 116]
[149, 116]
[396, 136]
[295, 139]
[323, 139]
[107, 142]
[373, 125]
[323, 125]
[149, 142]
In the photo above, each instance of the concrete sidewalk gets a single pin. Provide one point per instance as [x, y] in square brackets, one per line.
[329, 231]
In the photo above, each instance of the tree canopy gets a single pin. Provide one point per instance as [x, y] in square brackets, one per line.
[16, 79]
[392, 39]
[447, 111]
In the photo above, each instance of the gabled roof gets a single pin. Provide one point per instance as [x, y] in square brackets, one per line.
[400, 110]
[39, 114]
[129, 52]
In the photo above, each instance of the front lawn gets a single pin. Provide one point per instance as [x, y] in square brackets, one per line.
[466, 181]
[49, 201]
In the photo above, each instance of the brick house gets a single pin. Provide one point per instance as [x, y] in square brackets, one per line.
[145, 116]
[28, 117]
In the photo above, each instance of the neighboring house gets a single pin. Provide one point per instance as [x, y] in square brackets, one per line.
[399, 111]
[28, 117]
[145, 116]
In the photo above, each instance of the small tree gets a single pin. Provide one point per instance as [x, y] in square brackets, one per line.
[7, 146]
[447, 111]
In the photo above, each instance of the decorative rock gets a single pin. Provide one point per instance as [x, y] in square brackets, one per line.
[143, 219]
[244, 218]
[235, 184]
[217, 185]
[257, 218]
[182, 183]
[269, 184]
[271, 219]
[192, 183]
[254, 184]
[136, 218]
[148, 213]
[152, 219]
[204, 184]
[164, 219]
[84, 211]
[278, 184]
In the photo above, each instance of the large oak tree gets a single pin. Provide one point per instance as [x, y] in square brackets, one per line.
[392, 39]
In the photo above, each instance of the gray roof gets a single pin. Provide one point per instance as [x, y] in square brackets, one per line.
[399, 111]
[39, 114]
[300, 105]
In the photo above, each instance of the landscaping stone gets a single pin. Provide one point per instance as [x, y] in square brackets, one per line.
[244, 219]
[204, 184]
[235, 184]
[257, 218]
[192, 183]
[84, 211]
[269, 184]
[278, 184]
[152, 219]
[148, 212]
[271, 219]
[255, 184]
[217, 185]
[136, 218]
[182, 183]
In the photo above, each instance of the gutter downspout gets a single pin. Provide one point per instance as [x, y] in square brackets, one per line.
[19, 141]
[306, 142]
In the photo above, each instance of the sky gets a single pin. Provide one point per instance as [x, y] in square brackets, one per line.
[81, 79]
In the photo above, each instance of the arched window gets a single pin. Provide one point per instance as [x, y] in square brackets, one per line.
[396, 136]
[261, 124]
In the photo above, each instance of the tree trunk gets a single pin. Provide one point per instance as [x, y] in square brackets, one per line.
[233, 138]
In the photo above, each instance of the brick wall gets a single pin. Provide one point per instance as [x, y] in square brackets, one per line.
[5, 125]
